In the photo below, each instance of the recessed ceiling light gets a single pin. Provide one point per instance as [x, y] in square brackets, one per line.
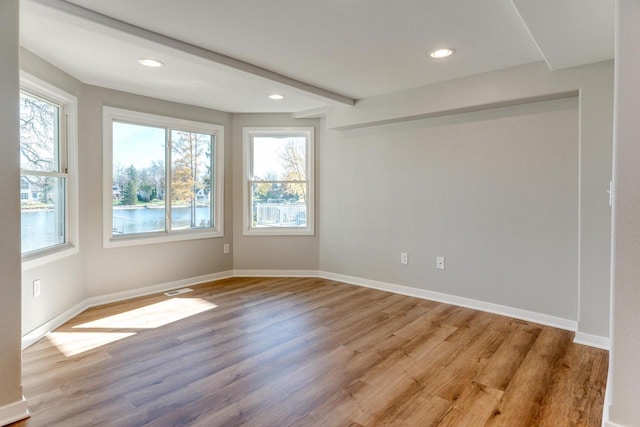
[441, 53]
[148, 62]
[276, 96]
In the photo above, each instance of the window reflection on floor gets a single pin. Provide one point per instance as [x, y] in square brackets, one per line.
[126, 324]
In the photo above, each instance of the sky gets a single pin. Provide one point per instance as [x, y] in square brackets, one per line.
[266, 156]
[137, 145]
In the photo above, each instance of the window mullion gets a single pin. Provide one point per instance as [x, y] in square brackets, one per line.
[257, 181]
[63, 160]
[213, 179]
[43, 173]
[168, 176]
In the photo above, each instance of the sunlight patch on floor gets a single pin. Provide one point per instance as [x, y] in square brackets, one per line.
[152, 316]
[147, 317]
[74, 343]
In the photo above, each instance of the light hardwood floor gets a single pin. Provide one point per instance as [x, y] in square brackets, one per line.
[307, 352]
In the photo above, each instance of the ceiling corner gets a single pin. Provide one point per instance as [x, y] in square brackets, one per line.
[569, 33]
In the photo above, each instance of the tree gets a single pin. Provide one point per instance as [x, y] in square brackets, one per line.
[207, 180]
[38, 128]
[130, 190]
[38, 144]
[293, 159]
[268, 190]
[187, 162]
[120, 176]
[158, 176]
[146, 188]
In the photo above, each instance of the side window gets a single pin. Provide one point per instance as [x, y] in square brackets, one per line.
[48, 191]
[278, 181]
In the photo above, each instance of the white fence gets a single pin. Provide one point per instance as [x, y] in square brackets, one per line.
[280, 214]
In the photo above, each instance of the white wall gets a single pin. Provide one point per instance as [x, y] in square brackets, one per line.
[270, 252]
[10, 356]
[624, 376]
[495, 192]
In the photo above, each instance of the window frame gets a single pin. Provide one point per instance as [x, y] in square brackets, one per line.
[249, 133]
[68, 155]
[111, 114]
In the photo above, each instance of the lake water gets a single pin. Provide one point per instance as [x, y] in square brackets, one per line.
[127, 221]
[39, 227]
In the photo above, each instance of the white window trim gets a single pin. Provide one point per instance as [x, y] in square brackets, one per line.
[248, 133]
[108, 116]
[69, 105]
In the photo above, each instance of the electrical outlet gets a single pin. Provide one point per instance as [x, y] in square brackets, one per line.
[440, 262]
[36, 288]
[404, 258]
[227, 248]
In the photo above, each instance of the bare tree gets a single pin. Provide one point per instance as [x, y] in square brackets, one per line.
[188, 162]
[293, 160]
[39, 122]
[38, 134]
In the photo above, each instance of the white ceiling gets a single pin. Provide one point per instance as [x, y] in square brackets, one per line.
[578, 32]
[231, 54]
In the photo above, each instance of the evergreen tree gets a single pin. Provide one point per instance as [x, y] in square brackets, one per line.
[130, 190]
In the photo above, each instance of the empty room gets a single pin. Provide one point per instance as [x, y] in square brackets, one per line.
[338, 213]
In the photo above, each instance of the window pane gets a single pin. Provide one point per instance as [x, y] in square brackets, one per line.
[191, 180]
[279, 159]
[138, 178]
[279, 205]
[38, 134]
[42, 211]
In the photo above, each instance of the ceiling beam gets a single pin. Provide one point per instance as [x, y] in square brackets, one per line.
[209, 55]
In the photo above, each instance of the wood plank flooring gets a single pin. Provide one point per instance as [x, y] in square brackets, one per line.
[307, 352]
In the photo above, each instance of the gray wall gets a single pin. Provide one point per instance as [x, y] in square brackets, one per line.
[429, 187]
[596, 141]
[10, 356]
[96, 271]
[495, 192]
[271, 252]
[624, 369]
[513, 86]
[63, 281]
[126, 268]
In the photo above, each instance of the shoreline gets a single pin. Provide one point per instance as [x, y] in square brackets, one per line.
[119, 208]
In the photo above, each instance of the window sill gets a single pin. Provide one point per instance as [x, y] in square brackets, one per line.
[155, 238]
[277, 231]
[45, 257]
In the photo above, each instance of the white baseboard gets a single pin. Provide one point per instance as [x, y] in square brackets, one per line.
[62, 318]
[163, 287]
[606, 407]
[592, 340]
[275, 273]
[14, 412]
[52, 324]
[530, 316]
[544, 319]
